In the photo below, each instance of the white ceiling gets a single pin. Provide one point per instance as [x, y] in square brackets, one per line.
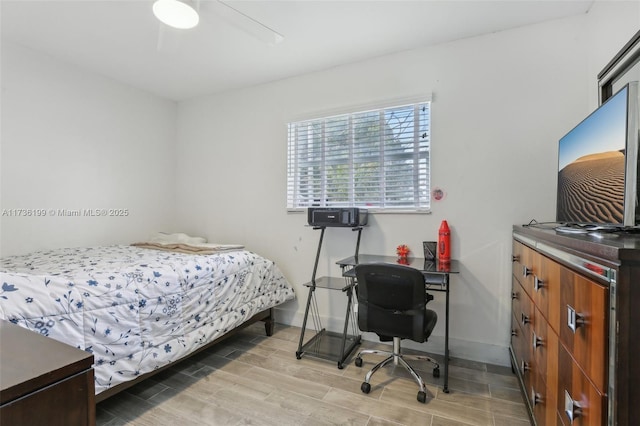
[122, 39]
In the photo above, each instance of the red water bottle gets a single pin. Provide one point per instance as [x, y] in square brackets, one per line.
[444, 243]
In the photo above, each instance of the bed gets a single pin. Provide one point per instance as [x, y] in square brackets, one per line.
[138, 309]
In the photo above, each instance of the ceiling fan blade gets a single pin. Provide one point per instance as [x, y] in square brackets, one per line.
[246, 23]
[168, 40]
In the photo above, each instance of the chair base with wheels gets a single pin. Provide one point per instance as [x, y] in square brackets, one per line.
[398, 359]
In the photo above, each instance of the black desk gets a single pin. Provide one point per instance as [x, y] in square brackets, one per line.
[436, 278]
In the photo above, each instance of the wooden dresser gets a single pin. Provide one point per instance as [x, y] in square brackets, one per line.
[575, 332]
[43, 381]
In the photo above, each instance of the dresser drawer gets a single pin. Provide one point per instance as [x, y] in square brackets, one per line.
[524, 311]
[544, 401]
[544, 345]
[519, 346]
[579, 402]
[523, 266]
[65, 403]
[546, 289]
[517, 295]
[583, 325]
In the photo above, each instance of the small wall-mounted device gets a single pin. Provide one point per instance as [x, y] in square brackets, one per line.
[337, 216]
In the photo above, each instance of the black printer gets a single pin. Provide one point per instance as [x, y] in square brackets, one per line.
[337, 216]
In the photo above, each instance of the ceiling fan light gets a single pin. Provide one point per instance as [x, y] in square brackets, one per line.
[176, 14]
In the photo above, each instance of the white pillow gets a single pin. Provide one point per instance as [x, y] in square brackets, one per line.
[177, 238]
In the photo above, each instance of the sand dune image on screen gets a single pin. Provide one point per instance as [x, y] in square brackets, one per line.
[591, 189]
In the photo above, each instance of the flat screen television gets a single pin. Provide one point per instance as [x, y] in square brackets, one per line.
[598, 166]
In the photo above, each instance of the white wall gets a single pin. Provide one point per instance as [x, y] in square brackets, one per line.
[75, 140]
[500, 104]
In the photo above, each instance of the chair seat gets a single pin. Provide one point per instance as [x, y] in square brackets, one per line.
[430, 320]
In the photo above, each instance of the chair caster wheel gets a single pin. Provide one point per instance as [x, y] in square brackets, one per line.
[422, 397]
[340, 366]
[298, 355]
[366, 387]
[358, 362]
[436, 372]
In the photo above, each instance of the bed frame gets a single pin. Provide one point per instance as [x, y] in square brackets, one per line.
[265, 316]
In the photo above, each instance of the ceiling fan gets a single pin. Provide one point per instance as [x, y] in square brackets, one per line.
[185, 14]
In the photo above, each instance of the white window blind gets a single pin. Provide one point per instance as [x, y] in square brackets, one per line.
[377, 159]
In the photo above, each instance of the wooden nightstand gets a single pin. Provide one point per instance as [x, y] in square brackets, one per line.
[43, 381]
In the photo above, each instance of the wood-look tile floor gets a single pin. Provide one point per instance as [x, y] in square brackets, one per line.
[251, 379]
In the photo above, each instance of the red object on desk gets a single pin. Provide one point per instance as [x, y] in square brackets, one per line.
[444, 243]
[402, 251]
[444, 266]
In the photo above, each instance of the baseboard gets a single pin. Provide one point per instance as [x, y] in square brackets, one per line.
[473, 351]
[464, 349]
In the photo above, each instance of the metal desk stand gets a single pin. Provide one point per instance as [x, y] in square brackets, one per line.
[327, 344]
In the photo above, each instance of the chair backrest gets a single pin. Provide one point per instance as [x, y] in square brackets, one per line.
[391, 300]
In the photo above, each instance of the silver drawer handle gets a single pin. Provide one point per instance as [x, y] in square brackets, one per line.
[524, 319]
[525, 271]
[572, 409]
[574, 319]
[537, 341]
[536, 398]
[537, 283]
[524, 366]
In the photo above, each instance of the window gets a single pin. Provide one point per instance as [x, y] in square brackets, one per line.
[377, 159]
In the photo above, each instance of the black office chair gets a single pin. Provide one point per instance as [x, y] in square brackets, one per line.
[392, 303]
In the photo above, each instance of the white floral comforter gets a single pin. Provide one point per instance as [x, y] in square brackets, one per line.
[136, 309]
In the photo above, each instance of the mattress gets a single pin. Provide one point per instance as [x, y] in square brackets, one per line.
[136, 309]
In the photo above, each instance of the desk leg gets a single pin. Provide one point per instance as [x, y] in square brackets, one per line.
[446, 337]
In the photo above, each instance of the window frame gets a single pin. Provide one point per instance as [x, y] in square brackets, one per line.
[350, 112]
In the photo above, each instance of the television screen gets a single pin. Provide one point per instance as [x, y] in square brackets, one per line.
[594, 167]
